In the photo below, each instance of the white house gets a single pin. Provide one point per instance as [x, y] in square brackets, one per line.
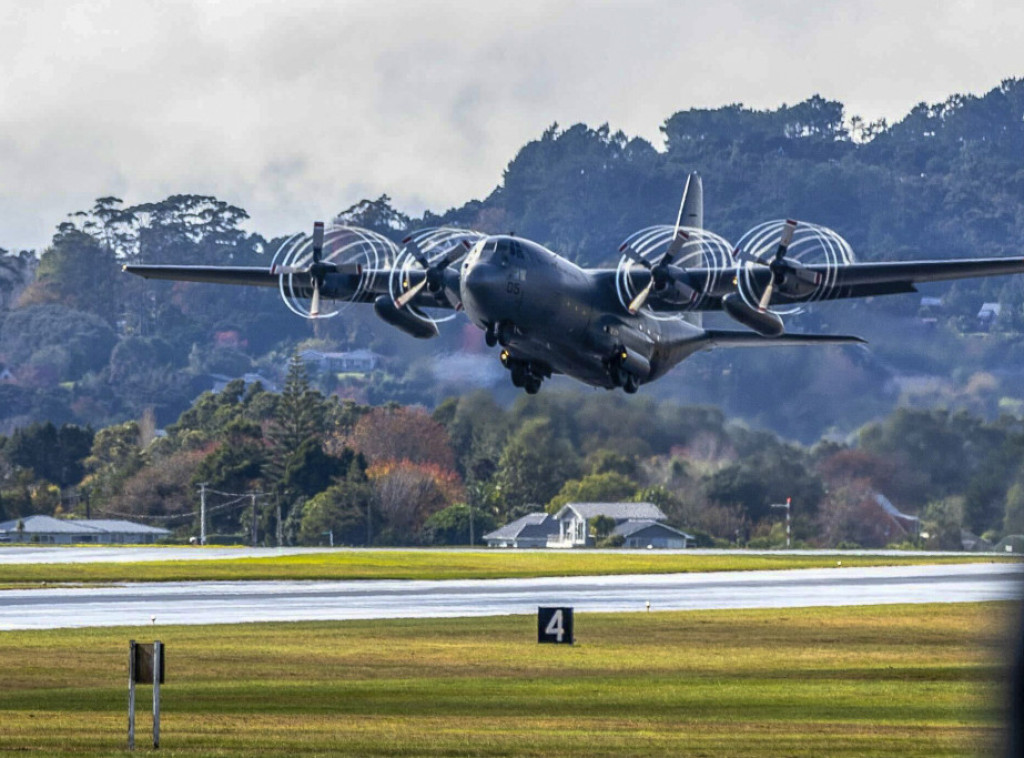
[573, 519]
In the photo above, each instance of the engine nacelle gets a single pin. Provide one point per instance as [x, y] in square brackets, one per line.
[763, 322]
[404, 318]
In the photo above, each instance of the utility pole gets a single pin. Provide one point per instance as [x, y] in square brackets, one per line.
[252, 497]
[202, 513]
[471, 526]
[788, 506]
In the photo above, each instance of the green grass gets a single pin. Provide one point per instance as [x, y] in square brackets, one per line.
[431, 564]
[920, 680]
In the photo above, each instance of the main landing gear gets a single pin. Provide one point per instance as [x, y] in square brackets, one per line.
[526, 374]
[499, 334]
[619, 372]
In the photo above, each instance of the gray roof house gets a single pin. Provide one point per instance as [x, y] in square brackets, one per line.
[47, 530]
[573, 518]
[647, 533]
[532, 530]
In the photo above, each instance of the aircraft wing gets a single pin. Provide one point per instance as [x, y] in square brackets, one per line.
[362, 288]
[868, 279]
[253, 276]
[847, 281]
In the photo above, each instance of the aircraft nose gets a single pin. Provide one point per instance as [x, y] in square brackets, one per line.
[481, 285]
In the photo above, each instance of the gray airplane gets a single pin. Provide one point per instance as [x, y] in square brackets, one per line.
[606, 327]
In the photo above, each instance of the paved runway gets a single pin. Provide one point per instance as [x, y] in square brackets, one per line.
[236, 602]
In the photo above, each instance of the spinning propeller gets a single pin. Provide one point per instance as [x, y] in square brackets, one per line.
[663, 273]
[434, 279]
[353, 251]
[778, 265]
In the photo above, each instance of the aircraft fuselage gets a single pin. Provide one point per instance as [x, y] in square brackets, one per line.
[559, 318]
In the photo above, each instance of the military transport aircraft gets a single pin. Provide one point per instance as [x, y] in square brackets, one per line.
[606, 327]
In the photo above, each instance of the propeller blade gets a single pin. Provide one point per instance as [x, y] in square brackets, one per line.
[766, 298]
[638, 302]
[416, 251]
[406, 297]
[314, 308]
[631, 253]
[678, 240]
[453, 253]
[785, 238]
[318, 241]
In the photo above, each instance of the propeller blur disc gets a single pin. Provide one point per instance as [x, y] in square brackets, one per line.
[432, 246]
[811, 244]
[701, 249]
[342, 245]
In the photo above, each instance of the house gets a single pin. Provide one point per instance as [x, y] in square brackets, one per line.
[573, 520]
[988, 314]
[532, 530]
[355, 361]
[47, 530]
[647, 533]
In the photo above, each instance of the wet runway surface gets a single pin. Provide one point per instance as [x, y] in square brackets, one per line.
[238, 602]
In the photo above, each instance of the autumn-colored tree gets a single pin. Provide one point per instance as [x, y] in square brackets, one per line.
[164, 488]
[406, 493]
[850, 513]
[396, 433]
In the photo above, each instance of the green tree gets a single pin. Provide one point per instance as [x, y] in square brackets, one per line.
[451, 525]
[533, 466]
[609, 486]
[343, 509]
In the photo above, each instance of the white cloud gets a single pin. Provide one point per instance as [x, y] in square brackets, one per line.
[295, 110]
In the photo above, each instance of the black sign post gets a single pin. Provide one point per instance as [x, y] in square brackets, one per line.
[554, 625]
[145, 666]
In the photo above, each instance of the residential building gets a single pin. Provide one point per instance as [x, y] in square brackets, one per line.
[47, 530]
[532, 530]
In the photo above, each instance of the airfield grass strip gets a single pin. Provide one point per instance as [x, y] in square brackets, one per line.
[433, 564]
[908, 680]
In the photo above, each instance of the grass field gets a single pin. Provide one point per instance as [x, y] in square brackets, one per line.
[873, 681]
[431, 564]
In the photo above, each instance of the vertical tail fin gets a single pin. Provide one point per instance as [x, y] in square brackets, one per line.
[691, 210]
[691, 213]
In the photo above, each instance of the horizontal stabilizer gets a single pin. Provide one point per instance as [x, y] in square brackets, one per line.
[726, 338]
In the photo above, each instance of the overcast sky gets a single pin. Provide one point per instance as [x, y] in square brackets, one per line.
[295, 110]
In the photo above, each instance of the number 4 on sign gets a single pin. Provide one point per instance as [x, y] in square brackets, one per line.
[554, 625]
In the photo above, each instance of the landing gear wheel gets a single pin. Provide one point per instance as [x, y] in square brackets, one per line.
[519, 375]
[490, 337]
[532, 385]
[505, 331]
[631, 384]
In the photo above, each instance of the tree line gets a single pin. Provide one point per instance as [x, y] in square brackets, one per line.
[323, 469]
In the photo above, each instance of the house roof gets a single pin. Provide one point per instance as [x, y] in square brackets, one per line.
[536, 525]
[629, 528]
[617, 511]
[49, 525]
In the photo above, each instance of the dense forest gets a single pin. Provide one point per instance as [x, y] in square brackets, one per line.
[95, 363]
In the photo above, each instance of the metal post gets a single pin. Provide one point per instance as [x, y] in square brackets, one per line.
[471, 526]
[788, 505]
[253, 498]
[131, 695]
[202, 513]
[158, 654]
